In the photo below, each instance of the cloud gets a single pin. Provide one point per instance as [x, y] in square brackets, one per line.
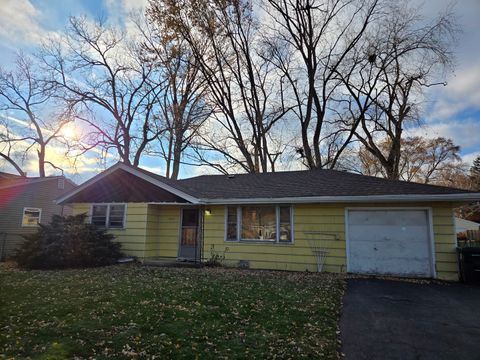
[462, 93]
[119, 11]
[462, 132]
[468, 158]
[20, 23]
[152, 169]
[454, 110]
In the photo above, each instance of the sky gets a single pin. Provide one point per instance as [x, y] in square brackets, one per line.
[452, 111]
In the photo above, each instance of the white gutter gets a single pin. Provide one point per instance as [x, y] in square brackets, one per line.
[467, 197]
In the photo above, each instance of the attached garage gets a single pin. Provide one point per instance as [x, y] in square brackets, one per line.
[290, 220]
[390, 241]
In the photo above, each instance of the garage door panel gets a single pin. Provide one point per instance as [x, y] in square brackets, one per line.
[389, 234]
[389, 242]
[402, 266]
[387, 217]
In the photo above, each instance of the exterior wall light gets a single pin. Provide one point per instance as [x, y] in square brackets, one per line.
[208, 212]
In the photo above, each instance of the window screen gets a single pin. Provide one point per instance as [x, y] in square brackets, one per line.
[99, 215]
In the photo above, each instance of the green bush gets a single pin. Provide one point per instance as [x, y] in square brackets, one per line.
[68, 242]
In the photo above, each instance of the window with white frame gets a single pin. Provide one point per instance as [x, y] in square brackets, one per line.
[270, 223]
[108, 215]
[31, 216]
[232, 229]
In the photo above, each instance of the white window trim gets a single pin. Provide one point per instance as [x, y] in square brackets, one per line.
[107, 220]
[259, 241]
[39, 216]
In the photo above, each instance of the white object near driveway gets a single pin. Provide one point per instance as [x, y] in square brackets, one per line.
[389, 241]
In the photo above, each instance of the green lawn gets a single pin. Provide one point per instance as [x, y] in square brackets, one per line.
[130, 311]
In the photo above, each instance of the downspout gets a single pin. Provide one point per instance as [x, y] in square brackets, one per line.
[146, 234]
[202, 233]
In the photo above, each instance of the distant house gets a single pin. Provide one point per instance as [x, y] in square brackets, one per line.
[298, 220]
[462, 225]
[25, 202]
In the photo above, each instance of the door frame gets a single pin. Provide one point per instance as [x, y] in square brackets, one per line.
[199, 243]
[431, 242]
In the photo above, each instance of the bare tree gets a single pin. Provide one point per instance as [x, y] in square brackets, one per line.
[309, 42]
[182, 105]
[26, 95]
[242, 89]
[8, 152]
[111, 86]
[387, 75]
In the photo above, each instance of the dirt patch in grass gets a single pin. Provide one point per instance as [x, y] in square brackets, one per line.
[130, 311]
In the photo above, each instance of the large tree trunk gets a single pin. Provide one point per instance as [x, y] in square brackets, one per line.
[41, 161]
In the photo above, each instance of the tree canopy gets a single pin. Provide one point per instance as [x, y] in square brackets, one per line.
[238, 86]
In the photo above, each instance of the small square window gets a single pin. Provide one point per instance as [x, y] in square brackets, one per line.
[31, 216]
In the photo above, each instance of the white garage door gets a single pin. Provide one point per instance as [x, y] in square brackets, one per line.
[395, 242]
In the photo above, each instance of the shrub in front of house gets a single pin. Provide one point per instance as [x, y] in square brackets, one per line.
[68, 242]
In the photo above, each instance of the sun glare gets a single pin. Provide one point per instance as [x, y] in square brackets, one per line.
[69, 132]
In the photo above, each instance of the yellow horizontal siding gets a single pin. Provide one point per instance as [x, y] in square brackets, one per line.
[293, 257]
[152, 226]
[330, 219]
[445, 242]
[133, 236]
[168, 231]
[153, 230]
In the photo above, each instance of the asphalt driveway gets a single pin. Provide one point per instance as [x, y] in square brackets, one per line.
[384, 319]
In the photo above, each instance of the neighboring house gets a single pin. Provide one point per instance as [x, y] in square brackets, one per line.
[279, 220]
[462, 225]
[24, 202]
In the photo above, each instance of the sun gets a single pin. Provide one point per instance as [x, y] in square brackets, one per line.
[69, 132]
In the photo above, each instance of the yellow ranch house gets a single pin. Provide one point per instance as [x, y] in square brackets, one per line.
[312, 220]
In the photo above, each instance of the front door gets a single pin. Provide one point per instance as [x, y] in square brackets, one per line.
[189, 235]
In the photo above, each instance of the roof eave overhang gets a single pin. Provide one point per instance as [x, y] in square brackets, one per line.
[465, 197]
[133, 171]
[26, 183]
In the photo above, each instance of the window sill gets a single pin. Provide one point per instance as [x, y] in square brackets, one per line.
[258, 242]
[109, 228]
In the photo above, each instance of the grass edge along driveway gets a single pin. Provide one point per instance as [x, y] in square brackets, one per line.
[131, 311]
